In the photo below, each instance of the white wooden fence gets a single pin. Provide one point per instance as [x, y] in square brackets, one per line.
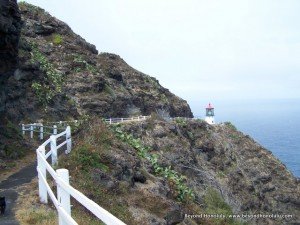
[124, 120]
[62, 201]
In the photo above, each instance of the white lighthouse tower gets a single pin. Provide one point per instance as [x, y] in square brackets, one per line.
[210, 114]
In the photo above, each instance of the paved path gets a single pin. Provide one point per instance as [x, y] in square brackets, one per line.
[8, 189]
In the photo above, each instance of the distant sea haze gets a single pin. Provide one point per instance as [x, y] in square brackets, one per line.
[275, 124]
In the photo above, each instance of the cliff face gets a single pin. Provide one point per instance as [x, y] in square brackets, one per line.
[10, 26]
[60, 76]
[148, 169]
[249, 177]
[54, 74]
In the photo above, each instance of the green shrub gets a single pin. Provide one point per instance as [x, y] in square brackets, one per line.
[13, 151]
[57, 39]
[181, 121]
[183, 192]
[51, 84]
[89, 67]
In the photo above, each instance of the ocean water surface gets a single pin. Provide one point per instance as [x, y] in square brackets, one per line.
[275, 124]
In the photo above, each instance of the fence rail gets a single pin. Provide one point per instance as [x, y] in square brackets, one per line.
[64, 192]
[123, 120]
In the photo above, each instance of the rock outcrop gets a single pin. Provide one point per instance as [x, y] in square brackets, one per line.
[10, 27]
[249, 177]
[61, 76]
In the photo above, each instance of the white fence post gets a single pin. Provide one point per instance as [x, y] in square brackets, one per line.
[42, 173]
[41, 131]
[122, 120]
[68, 139]
[144, 117]
[53, 150]
[110, 121]
[31, 131]
[54, 129]
[23, 129]
[63, 197]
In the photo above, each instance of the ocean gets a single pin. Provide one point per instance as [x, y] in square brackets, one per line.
[275, 124]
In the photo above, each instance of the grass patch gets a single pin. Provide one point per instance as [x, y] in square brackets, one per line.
[215, 204]
[40, 216]
[57, 39]
[30, 212]
[110, 91]
[87, 157]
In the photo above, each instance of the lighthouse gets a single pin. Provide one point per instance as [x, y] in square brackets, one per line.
[210, 114]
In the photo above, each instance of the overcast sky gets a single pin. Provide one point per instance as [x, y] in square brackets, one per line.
[199, 49]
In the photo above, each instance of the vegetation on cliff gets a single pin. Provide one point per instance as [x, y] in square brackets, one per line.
[122, 174]
[152, 172]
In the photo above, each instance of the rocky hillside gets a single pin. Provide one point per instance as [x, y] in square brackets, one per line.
[54, 74]
[249, 177]
[155, 172]
[61, 76]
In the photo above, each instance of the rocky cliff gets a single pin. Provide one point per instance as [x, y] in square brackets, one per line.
[156, 172]
[57, 75]
[152, 172]
[10, 26]
[249, 177]
[61, 76]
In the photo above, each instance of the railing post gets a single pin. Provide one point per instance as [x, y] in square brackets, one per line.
[54, 129]
[31, 131]
[41, 131]
[122, 120]
[23, 129]
[144, 117]
[63, 197]
[53, 150]
[42, 173]
[68, 139]
[138, 118]
[110, 121]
